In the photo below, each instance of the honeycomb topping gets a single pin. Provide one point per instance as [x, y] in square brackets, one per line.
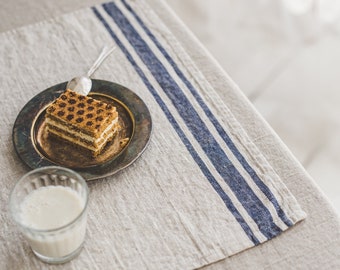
[82, 111]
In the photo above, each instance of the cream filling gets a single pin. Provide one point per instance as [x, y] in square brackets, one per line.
[81, 143]
[99, 142]
[81, 134]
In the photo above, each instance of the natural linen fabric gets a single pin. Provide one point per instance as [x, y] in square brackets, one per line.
[201, 192]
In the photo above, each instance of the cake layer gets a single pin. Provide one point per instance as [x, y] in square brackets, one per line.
[95, 148]
[76, 132]
[82, 121]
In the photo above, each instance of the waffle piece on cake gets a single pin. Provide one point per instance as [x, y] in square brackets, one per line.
[82, 120]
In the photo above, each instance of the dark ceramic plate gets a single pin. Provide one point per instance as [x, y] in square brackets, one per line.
[37, 148]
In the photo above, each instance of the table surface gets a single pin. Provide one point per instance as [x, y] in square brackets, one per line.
[313, 244]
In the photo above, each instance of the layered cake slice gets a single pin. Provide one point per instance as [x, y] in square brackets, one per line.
[82, 120]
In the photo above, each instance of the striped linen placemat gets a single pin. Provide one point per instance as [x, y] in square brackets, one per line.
[201, 192]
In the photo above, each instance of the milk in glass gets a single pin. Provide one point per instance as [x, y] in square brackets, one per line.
[47, 209]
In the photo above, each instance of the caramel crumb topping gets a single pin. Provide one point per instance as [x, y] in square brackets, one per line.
[83, 111]
[79, 120]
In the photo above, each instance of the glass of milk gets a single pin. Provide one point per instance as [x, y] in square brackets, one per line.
[49, 205]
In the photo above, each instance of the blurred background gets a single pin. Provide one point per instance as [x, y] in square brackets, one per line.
[285, 56]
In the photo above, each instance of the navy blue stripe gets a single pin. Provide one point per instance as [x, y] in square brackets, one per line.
[183, 137]
[253, 205]
[262, 186]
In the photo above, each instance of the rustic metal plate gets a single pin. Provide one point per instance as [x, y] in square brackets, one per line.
[37, 148]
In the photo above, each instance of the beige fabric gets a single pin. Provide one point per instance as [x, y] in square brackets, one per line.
[288, 250]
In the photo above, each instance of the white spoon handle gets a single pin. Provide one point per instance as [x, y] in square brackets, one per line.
[104, 53]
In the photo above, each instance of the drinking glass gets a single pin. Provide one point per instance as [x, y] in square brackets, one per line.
[59, 243]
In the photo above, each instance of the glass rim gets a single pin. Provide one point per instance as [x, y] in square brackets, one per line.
[15, 215]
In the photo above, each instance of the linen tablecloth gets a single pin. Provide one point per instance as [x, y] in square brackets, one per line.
[201, 192]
